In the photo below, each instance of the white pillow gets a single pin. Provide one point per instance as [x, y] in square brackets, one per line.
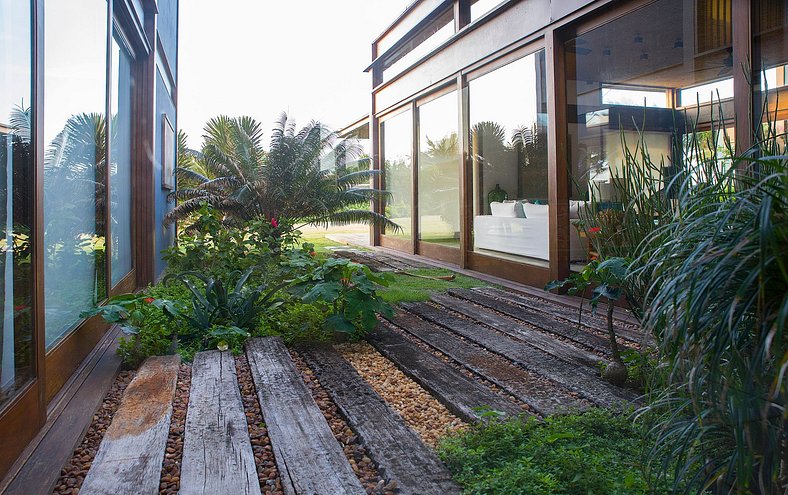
[503, 209]
[536, 211]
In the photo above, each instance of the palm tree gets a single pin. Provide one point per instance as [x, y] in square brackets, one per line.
[235, 175]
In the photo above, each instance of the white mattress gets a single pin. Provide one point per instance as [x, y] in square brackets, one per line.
[522, 237]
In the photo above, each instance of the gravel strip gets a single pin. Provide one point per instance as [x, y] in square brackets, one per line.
[362, 465]
[73, 473]
[420, 410]
[267, 472]
[170, 481]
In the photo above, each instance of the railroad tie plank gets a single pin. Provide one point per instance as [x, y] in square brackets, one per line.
[461, 395]
[568, 314]
[217, 452]
[543, 398]
[519, 330]
[309, 458]
[131, 453]
[538, 319]
[577, 378]
[365, 259]
[400, 454]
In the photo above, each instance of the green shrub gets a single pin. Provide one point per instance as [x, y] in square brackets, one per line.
[295, 322]
[593, 453]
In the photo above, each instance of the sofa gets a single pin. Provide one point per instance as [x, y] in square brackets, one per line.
[522, 229]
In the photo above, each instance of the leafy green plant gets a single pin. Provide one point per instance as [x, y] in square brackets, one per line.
[593, 453]
[296, 322]
[347, 290]
[608, 279]
[237, 176]
[218, 314]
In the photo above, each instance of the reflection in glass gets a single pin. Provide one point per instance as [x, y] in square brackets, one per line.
[397, 139]
[508, 119]
[120, 168]
[430, 38]
[770, 49]
[675, 56]
[16, 167]
[439, 172]
[75, 161]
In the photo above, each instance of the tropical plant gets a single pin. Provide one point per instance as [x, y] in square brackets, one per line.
[608, 279]
[238, 177]
[347, 291]
[718, 304]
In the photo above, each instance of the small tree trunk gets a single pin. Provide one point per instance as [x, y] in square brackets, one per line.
[612, 334]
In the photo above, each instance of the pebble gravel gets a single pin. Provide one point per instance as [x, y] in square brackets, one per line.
[422, 412]
[73, 473]
[170, 481]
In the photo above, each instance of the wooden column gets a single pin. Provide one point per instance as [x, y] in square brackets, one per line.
[466, 195]
[742, 73]
[558, 173]
[414, 160]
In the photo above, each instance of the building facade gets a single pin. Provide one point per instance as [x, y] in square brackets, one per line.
[494, 122]
[88, 98]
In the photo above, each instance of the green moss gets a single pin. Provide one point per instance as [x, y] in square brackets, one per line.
[404, 288]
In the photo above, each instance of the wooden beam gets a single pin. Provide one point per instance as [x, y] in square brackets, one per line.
[217, 453]
[742, 74]
[131, 453]
[309, 458]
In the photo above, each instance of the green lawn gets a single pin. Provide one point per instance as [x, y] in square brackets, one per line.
[404, 288]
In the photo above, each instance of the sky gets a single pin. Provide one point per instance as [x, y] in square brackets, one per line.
[263, 57]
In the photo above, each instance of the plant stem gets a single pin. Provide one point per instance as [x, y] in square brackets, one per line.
[612, 334]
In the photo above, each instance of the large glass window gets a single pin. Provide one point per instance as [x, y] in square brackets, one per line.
[16, 167]
[671, 66]
[75, 42]
[428, 39]
[397, 138]
[120, 157]
[439, 171]
[770, 46]
[508, 135]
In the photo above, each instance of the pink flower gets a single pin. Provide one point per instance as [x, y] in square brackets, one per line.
[274, 223]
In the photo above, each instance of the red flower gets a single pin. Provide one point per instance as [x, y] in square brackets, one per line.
[312, 253]
[594, 230]
[149, 300]
[20, 307]
[274, 223]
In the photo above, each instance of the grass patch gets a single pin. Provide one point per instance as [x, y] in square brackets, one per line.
[593, 453]
[322, 243]
[404, 288]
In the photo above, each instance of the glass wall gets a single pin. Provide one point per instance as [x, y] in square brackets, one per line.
[430, 38]
[75, 40]
[16, 167]
[439, 171]
[396, 136]
[770, 49]
[657, 78]
[120, 157]
[508, 137]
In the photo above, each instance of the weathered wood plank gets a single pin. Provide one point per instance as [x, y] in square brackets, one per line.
[309, 458]
[537, 319]
[461, 395]
[370, 261]
[131, 453]
[577, 378]
[544, 398]
[570, 315]
[561, 350]
[217, 453]
[400, 454]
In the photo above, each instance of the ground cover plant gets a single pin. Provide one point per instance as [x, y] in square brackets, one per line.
[405, 287]
[595, 453]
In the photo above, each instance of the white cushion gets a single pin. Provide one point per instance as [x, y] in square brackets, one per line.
[508, 209]
[536, 211]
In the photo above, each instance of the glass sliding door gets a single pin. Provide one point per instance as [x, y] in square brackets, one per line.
[439, 172]
[397, 143]
[508, 138]
[17, 363]
[657, 79]
[75, 44]
[120, 160]
[770, 47]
